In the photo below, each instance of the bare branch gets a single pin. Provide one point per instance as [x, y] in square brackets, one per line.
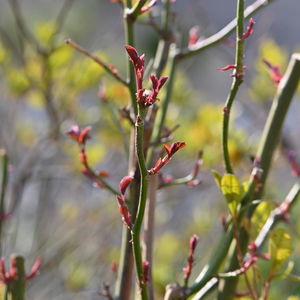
[110, 69]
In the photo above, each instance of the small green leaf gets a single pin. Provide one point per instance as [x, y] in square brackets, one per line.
[280, 247]
[218, 177]
[232, 190]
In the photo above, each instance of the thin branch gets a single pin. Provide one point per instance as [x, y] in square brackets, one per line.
[22, 27]
[277, 214]
[223, 33]
[135, 11]
[108, 68]
[61, 17]
[139, 142]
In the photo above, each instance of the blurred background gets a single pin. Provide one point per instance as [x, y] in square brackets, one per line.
[57, 213]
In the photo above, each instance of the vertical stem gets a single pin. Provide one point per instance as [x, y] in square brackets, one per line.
[163, 47]
[124, 280]
[149, 228]
[237, 81]
[3, 184]
[129, 40]
[164, 105]
[160, 60]
[17, 287]
[142, 203]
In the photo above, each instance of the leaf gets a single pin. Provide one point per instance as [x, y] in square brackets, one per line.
[218, 177]
[280, 247]
[232, 190]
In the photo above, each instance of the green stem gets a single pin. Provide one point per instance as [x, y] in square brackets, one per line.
[237, 80]
[17, 287]
[129, 40]
[142, 203]
[123, 284]
[3, 184]
[137, 8]
[162, 52]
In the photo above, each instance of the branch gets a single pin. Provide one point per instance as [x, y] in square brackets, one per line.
[135, 11]
[223, 33]
[110, 69]
[139, 142]
[277, 214]
[237, 81]
[22, 27]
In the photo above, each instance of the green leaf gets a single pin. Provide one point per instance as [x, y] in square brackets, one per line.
[232, 190]
[280, 247]
[218, 177]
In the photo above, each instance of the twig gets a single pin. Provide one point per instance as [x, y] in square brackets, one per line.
[3, 186]
[237, 81]
[277, 214]
[139, 142]
[224, 32]
[108, 68]
[149, 229]
[135, 11]
[61, 17]
[22, 27]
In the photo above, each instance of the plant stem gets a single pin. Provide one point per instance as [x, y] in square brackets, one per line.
[277, 214]
[237, 81]
[160, 60]
[162, 52]
[142, 203]
[164, 106]
[137, 8]
[108, 68]
[129, 38]
[149, 228]
[223, 33]
[17, 287]
[3, 185]
[123, 285]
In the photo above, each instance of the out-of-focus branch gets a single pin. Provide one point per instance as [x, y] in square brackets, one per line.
[22, 26]
[110, 69]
